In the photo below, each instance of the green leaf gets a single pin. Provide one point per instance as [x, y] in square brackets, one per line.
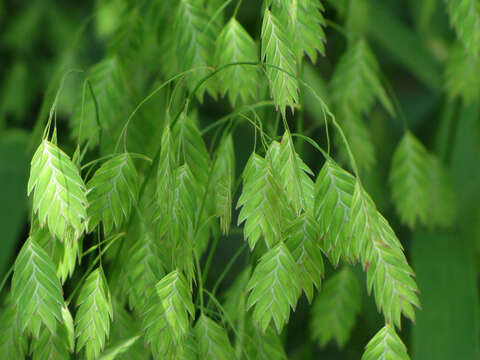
[442, 201]
[36, 290]
[333, 200]
[280, 60]
[166, 320]
[235, 45]
[111, 193]
[386, 344]
[381, 254]
[59, 196]
[212, 339]
[335, 309]
[462, 75]
[465, 17]
[223, 182]
[423, 13]
[12, 344]
[195, 44]
[302, 241]
[409, 178]
[16, 94]
[448, 326]
[274, 288]
[262, 203]
[94, 313]
[14, 168]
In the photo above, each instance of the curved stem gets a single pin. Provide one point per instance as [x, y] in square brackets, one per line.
[211, 252]
[200, 281]
[313, 143]
[5, 278]
[91, 266]
[239, 3]
[228, 267]
[217, 12]
[148, 97]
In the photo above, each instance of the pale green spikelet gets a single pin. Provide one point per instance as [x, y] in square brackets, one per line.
[36, 290]
[192, 148]
[63, 254]
[262, 203]
[143, 268]
[112, 191]
[94, 313]
[212, 340]
[166, 320]
[280, 62]
[303, 242]
[56, 346]
[409, 178]
[386, 344]
[12, 344]
[234, 45]
[462, 75]
[59, 194]
[263, 345]
[333, 200]
[336, 308]
[465, 17]
[388, 273]
[223, 181]
[292, 171]
[355, 82]
[274, 288]
[195, 44]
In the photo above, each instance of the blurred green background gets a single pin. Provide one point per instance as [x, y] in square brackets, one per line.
[41, 40]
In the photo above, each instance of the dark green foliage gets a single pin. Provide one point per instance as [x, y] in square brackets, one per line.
[178, 210]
